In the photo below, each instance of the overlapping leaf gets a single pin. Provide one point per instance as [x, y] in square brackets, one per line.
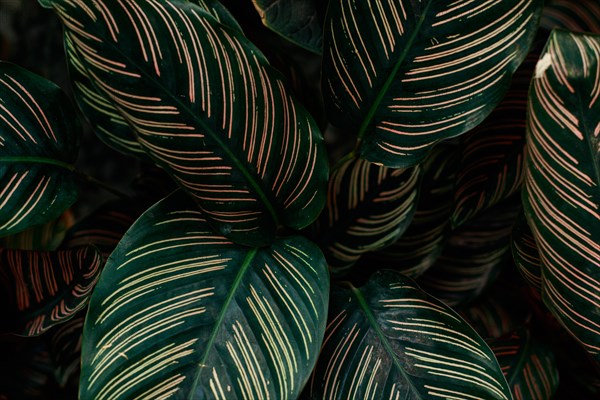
[473, 256]
[526, 255]
[65, 350]
[42, 289]
[407, 74]
[528, 364]
[295, 20]
[207, 107]
[572, 15]
[390, 340]
[368, 207]
[422, 242]
[562, 197]
[182, 312]
[39, 138]
[42, 237]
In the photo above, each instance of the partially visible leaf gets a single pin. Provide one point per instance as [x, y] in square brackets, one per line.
[473, 256]
[405, 75]
[526, 255]
[528, 364]
[295, 20]
[207, 107]
[201, 316]
[562, 187]
[42, 237]
[65, 350]
[421, 244]
[39, 138]
[368, 207]
[572, 15]
[42, 289]
[390, 340]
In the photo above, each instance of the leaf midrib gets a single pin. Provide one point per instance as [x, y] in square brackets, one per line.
[222, 314]
[214, 135]
[392, 76]
[384, 340]
[36, 160]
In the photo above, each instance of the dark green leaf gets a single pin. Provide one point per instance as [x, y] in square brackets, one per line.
[562, 186]
[572, 15]
[368, 207]
[390, 340]
[207, 107]
[65, 350]
[42, 289]
[45, 237]
[526, 255]
[406, 74]
[39, 138]
[201, 316]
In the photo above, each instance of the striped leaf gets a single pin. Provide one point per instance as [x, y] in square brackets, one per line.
[492, 154]
[528, 364]
[473, 256]
[41, 289]
[406, 74]
[561, 197]
[65, 350]
[201, 316]
[390, 340]
[526, 254]
[295, 20]
[39, 138]
[421, 244]
[572, 15]
[205, 105]
[42, 237]
[368, 207]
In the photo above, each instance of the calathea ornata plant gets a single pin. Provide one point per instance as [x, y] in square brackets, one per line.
[331, 204]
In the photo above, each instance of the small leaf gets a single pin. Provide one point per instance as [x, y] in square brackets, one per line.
[390, 340]
[405, 75]
[528, 364]
[368, 207]
[562, 198]
[295, 20]
[39, 139]
[42, 289]
[201, 316]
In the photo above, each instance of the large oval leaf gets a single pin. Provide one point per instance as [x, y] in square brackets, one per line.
[201, 316]
[41, 289]
[207, 107]
[390, 340]
[407, 74]
[368, 207]
[39, 138]
[562, 186]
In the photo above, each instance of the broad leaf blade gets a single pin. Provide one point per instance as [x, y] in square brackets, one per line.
[39, 138]
[42, 289]
[408, 74]
[562, 196]
[295, 20]
[368, 207]
[389, 339]
[207, 107]
[205, 318]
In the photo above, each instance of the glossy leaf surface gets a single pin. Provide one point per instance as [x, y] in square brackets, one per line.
[206, 106]
[562, 197]
[295, 20]
[528, 364]
[42, 289]
[368, 207]
[39, 138]
[203, 317]
[406, 74]
[388, 339]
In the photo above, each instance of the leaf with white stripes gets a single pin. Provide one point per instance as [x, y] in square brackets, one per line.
[206, 106]
[181, 312]
[368, 207]
[39, 139]
[407, 74]
[295, 20]
[562, 194]
[41, 289]
[390, 340]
